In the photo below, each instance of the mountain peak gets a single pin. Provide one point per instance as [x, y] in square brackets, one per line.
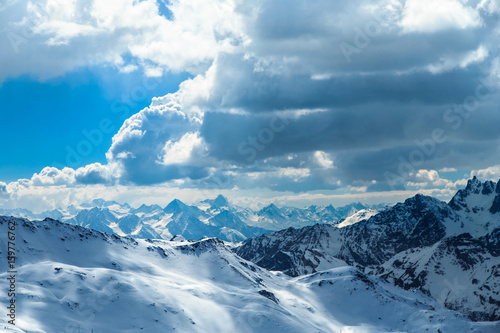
[174, 206]
[475, 188]
[474, 185]
[271, 211]
[221, 201]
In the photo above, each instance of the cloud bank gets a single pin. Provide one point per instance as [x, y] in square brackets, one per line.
[288, 96]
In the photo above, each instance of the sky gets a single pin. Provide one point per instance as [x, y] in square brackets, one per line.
[292, 102]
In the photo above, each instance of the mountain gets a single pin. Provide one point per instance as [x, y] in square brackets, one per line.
[73, 279]
[446, 250]
[271, 212]
[274, 218]
[209, 218]
[145, 209]
[95, 218]
[228, 223]
[177, 207]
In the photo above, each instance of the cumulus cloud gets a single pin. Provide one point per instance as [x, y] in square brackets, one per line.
[50, 176]
[323, 159]
[182, 151]
[97, 173]
[431, 16]
[490, 173]
[425, 178]
[372, 114]
[3, 190]
[86, 33]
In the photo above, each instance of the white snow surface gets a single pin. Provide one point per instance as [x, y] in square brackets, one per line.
[73, 279]
[358, 216]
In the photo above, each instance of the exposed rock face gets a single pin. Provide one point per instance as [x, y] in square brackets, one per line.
[449, 251]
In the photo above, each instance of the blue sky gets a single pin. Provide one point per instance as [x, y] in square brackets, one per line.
[47, 119]
[285, 101]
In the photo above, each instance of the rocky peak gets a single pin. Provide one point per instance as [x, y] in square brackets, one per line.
[271, 211]
[462, 199]
[221, 201]
[473, 185]
[175, 206]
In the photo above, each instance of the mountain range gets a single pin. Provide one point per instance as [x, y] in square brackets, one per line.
[449, 251]
[75, 279]
[420, 265]
[208, 218]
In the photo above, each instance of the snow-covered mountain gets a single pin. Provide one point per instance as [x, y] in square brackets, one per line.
[74, 279]
[209, 218]
[449, 251]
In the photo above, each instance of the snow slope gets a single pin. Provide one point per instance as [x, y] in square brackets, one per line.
[73, 279]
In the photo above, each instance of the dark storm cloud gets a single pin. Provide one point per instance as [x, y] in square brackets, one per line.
[262, 92]
[332, 91]
[379, 106]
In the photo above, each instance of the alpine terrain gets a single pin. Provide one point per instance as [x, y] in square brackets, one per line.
[449, 251]
[74, 279]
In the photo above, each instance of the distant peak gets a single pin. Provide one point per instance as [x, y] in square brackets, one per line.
[176, 202]
[271, 206]
[271, 210]
[221, 200]
[174, 205]
[330, 208]
[98, 201]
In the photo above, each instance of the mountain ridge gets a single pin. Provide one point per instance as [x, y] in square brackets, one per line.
[191, 221]
[405, 245]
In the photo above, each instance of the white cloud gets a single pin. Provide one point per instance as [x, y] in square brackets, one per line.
[425, 178]
[83, 33]
[273, 174]
[51, 176]
[492, 6]
[323, 159]
[129, 68]
[491, 173]
[3, 191]
[459, 184]
[180, 152]
[150, 143]
[97, 173]
[450, 62]
[429, 16]
[293, 173]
